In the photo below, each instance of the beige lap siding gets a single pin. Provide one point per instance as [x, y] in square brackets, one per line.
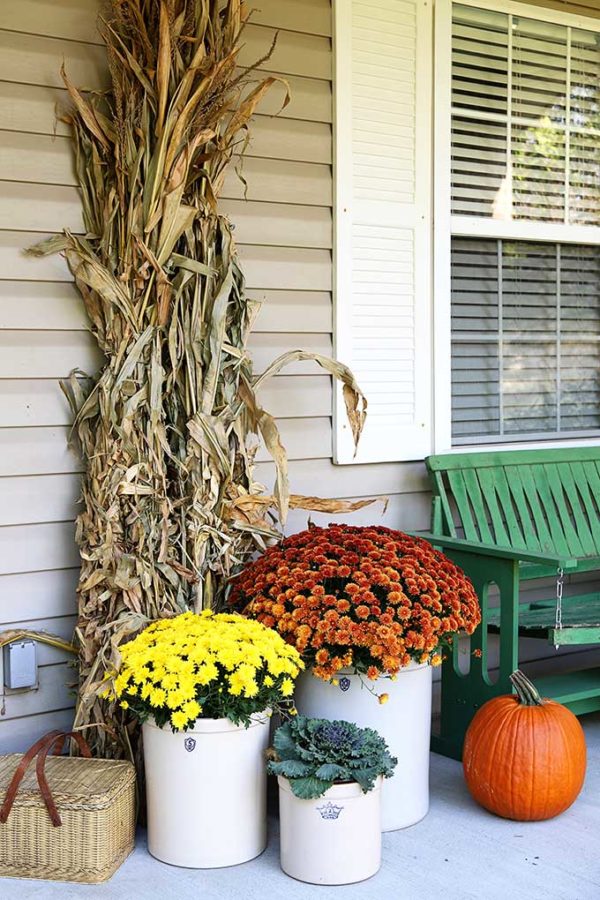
[284, 230]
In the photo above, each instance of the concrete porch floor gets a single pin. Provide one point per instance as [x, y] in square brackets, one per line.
[458, 851]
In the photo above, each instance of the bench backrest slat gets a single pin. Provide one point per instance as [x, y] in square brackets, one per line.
[587, 480]
[539, 500]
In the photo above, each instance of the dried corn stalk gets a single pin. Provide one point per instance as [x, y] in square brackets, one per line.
[170, 505]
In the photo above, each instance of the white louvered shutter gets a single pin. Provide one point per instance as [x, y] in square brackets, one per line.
[383, 223]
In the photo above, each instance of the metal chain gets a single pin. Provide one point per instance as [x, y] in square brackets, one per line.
[560, 580]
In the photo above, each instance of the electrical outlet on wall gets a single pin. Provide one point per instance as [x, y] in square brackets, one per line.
[20, 665]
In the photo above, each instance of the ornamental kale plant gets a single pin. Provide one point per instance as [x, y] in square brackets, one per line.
[315, 754]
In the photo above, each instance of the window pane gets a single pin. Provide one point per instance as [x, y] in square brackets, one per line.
[525, 340]
[539, 76]
[475, 394]
[525, 119]
[528, 287]
[479, 169]
[580, 386]
[580, 290]
[475, 286]
[585, 85]
[529, 384]
[538, 154]
[479, 59]
[584, 179]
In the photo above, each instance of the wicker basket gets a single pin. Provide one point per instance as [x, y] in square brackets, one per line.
[70, 819]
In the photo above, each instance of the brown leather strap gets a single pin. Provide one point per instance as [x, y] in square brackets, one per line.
[56, 740]
[17, 778]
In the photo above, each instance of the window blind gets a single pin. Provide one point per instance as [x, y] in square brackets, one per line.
[526, 118]
[525, 340]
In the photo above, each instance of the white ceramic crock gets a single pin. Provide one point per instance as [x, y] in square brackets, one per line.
[404, 721]
[206, 792]
[335, 839]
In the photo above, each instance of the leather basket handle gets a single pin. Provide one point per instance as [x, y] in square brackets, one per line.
[45, 743]
[56, 740]
[17, 778]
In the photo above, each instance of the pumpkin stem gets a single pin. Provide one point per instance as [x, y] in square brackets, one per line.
[527, 693]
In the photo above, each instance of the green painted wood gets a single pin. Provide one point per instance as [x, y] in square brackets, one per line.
[531, 571]
[578, 612]
[578, 510]
[527, 480]
[497, 514]
[585, 475]
[461, 498]
[478, 507]
[570, 687]
[495, 480]
[555, 475]
[476, 548]
[524, 514]
[539, 497]
[575, 636]
[440, 498]
[526, 521]
[498, 458]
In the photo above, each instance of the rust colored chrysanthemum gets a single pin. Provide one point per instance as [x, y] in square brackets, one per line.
[370, 598]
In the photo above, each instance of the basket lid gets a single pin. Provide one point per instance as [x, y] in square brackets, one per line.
[73, 781]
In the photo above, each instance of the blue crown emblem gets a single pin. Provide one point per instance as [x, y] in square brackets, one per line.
[330, 810]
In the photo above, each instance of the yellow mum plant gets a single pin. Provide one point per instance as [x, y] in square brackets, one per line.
[209, 666]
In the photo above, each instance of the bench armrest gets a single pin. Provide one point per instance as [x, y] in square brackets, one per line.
[477, 548]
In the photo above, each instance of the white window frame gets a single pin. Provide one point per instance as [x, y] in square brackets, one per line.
[447, 226]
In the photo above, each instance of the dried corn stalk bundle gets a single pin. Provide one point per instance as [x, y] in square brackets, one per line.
[170, 505]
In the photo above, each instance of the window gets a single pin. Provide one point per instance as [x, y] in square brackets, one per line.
[525, 224]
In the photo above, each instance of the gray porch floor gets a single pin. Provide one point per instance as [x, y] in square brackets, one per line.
[458, 852]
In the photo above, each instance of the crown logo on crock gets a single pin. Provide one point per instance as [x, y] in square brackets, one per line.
[330, 810]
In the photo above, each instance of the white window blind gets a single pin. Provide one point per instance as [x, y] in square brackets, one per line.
[525, 340]
[526, 118]
[383, 223]
[525, 222]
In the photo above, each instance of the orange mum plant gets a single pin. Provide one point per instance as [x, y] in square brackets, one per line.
[371, 599]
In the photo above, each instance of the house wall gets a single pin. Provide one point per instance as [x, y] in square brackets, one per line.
[284, 231]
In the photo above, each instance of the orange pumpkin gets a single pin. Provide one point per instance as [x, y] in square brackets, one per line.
[524, 758]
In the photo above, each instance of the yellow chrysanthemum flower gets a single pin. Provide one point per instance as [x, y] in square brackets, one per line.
[212, 656]
[287, 687]
[179, 719]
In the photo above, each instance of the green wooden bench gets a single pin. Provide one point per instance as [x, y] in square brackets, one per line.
[505, 517]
